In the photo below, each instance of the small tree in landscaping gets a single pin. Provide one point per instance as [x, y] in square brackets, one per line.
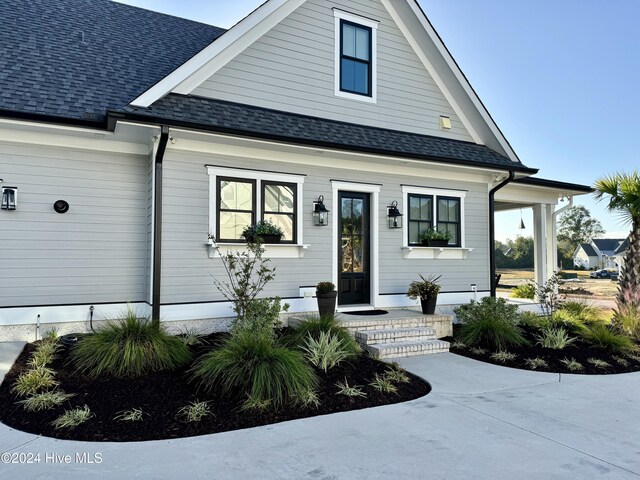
[548, 295]
[248, 274]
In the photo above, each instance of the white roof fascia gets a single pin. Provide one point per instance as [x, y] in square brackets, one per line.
[464, 83]
[209, 60]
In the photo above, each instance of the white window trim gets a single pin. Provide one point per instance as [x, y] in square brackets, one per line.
[285, 250]
[413, 251]
[373, 25]
[374, 190]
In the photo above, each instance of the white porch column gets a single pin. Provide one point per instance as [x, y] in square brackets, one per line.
[540, 233]
[552, 241]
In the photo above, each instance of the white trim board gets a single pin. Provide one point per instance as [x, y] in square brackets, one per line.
[373, 25]
[67, 313]
[221, 51]
[374, 190]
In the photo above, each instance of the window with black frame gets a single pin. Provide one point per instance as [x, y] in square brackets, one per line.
[235, 207]
[279, 207]
[420, 218]
[448, 218]
[355, 58]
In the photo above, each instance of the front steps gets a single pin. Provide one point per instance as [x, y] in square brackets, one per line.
[401, 333]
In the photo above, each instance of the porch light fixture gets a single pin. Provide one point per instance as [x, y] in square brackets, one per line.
[394, 215]
[521, 227]
[320, 213]
[9, 198]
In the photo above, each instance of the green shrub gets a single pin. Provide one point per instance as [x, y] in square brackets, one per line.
[72, 418]
[133, 415]
[627, 316]
[503, 357]
[606, 338]
[535, 363]
[297, 335]
[45, 400]
[564, 319]
[526, 290]
[195, 411]
[262, 315]
[492, 323]
[34, 381]
[554, 338]
[327, 351]
[572, 364]
[129, 347]
[530, 319]
[256, 367]
[580, 311]
[383, 384]
[349, 391]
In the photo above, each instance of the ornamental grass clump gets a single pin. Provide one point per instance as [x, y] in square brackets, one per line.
[298, 334]
[45, 400]
[255, 366]
[129, 347]
[554, 338]
[604, 337]
[72, 418]
[34, 381]
[526, 290]
[491, 323]
[327, 351]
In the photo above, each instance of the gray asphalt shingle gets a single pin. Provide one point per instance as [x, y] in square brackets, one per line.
[78, 58]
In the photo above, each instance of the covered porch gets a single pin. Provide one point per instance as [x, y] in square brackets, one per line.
[548, 199]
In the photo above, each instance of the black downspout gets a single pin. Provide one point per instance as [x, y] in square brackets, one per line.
[157, 224]
[492, 230]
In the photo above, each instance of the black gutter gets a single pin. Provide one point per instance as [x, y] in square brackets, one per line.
[114, 117]
[157, 224]
[99, 122]
[492, 231]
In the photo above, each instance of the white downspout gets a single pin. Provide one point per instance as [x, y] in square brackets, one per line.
[554, 232]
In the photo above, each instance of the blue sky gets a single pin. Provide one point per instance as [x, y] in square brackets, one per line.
[560, 78]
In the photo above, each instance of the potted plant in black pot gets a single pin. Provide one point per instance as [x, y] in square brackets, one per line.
[435, 238]
[326, 294]
[264, 231]
[426, 289]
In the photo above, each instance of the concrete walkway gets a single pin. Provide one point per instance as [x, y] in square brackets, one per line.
[481, 421]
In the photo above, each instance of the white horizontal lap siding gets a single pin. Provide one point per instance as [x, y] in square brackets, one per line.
[94, 253]
[291, 68]
[188, 272]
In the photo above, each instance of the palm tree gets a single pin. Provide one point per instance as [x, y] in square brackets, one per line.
[623, 193]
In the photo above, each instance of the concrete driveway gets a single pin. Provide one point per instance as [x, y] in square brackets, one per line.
[480, 421]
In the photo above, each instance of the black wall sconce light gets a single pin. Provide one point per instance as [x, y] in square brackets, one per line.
[320, 213]
[394, 215]
[9, 199]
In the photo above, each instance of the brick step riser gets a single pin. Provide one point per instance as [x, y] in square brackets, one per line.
[394, 339]
[389, 326]
[411, 354]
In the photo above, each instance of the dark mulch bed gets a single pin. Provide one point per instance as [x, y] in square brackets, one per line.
[162, 394]
[580, 350]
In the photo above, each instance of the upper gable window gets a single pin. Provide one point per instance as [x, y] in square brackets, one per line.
[355, 66]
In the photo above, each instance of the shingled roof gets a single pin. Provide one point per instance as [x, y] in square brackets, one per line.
[76, 59]
[228, 117]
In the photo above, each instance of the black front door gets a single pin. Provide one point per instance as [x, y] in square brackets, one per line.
[353, 248]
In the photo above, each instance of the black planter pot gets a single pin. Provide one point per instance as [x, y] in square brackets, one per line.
[435, 243]
[327, 303]
[429, 305]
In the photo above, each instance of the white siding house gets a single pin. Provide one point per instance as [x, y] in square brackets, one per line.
[159, 132]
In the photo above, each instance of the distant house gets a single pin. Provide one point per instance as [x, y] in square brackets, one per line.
[618, 254]
[600, 253]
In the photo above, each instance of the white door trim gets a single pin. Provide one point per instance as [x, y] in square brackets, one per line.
[374, 190]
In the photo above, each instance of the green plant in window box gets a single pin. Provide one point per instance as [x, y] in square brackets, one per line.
[435, 238]
[264, 231]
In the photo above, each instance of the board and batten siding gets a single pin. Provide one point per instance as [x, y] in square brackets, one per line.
[291, 68]
[188, 272]
[94, 253]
